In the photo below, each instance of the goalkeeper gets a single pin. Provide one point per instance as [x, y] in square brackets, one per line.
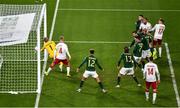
[50, 47]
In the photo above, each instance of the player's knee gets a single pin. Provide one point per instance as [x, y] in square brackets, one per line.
[83, 79]
[119, 75]
[97, 79]
[146, 90]
[52, 65]
[133, 75]
[154, 90]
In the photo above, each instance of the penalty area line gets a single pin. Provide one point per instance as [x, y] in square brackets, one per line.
[172, 74]
[119, 10]
[96, 42]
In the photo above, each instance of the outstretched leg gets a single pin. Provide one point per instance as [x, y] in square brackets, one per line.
[135, 79]
[100, 84]
[81, 84]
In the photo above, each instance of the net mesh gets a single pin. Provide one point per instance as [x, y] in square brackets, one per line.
[19, 69]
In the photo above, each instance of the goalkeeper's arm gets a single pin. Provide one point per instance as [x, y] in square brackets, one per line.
[42, 48]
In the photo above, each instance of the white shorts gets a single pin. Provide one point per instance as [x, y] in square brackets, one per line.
[128, 71]
[137, 59]
[146, 53]
[90, 73]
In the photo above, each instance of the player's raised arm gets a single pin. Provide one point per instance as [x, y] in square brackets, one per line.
[42, 48]
[153, 28]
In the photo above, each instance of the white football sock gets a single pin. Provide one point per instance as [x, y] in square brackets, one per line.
[61, 66]
[147, 95]
[160, 51]
[154, 97]
[49, 69]
[155, 49]
[68, 70]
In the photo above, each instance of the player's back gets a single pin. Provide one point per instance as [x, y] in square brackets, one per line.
[145, 26]
[127, 60]
[159, 29]
[50, 46]
[61, 49]
[150, 70]
[145, 41]
[91, 61]
[137, 51]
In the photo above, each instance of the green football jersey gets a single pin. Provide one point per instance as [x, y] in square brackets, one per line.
[127, 59]
[91, 62]
[137, 51]
[145, 41]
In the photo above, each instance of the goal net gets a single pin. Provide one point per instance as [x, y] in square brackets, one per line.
[20, 63]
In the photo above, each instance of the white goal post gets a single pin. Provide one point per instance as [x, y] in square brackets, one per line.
[21, 65]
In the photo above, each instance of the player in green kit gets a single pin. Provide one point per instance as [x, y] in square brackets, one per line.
[91, 62]
[128, 64]
[137, 52]
[146, 40]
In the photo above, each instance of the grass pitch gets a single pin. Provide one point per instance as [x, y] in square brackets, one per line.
[111, 26]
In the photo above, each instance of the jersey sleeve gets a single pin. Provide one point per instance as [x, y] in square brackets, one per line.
[55, 51]
[67, 51]
[144, 72]
[157, 72]
[99, 66]
[84, 61]
[43, 47]
[119, 62]
[153, 28]
[140, 27]
[132, 43]
[150, 26]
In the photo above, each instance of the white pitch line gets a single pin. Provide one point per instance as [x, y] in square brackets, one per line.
[119, 10]
[172, 74]
[96, 42]
[54, 19]
[45, 63]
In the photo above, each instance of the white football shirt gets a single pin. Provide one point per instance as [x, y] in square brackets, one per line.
[145, 26]
[150, 72]
[159, 29]
[61, 51]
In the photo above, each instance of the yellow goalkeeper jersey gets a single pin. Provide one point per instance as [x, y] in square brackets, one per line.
[50, 47]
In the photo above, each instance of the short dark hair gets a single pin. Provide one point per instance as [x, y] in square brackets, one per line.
[134, 32]
[46, 39]
[141, 15]
[146, 18]
[126, 49]
[151, 58]
[61, 37]
[91, 51]
[160, 19]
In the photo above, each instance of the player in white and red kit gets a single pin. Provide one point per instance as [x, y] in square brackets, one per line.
[60, 55]
[158, 35]
[145, 25]
[150, 73]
